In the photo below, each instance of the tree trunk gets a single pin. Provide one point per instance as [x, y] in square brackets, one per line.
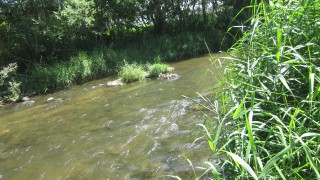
[204, 12]
[158, 19]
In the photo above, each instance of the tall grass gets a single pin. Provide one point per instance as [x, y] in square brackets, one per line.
[268, 105]
[80, 68]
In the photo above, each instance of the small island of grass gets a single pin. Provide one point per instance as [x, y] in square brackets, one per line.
[138, 72]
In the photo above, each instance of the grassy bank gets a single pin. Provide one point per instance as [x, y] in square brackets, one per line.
[103, 61]
[268, 105]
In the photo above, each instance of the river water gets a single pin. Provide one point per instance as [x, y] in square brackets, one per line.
[143, 130]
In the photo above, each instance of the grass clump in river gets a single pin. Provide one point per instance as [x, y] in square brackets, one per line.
[156, 69]
[132, 72]
[269, 102]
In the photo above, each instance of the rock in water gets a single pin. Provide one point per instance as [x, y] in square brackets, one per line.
[50, 99]
[28, 103]
[25, 98]
[168, 76]
[117, 82]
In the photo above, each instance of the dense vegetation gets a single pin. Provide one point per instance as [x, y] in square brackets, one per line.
[268, 105]
[59, 43]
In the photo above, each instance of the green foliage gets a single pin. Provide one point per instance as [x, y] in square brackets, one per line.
[44, 31]
[44, 37]
[166, 47]
[270, 96]
[78, 17]
[131, 72]
[9, 88]
[158, 68]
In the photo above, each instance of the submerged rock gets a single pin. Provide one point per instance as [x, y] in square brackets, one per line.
[168, 76]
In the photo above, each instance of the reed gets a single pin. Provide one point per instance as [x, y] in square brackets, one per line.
[268, 105]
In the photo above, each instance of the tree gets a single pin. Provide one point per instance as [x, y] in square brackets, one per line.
[77, 17]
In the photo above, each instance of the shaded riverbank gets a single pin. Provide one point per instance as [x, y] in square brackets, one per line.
[104, 61]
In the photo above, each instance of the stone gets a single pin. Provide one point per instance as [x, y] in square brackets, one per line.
[50, 99]
[117, 82]
[168, 76]
[25, 98]
[28, 103]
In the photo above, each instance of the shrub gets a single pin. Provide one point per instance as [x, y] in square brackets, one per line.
[9, 88]
[131, 72]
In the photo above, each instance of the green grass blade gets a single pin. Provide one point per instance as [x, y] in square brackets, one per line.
[249, 127]
[307, 151]
[239, 111]
[279, 43]
[243, 164]
[311, 86]
[279, 171]
[189, 161]
[210, 141]
[284, 82]
[213, 170]
[273, 161]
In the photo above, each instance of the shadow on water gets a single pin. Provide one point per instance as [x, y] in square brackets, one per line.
[142, 130]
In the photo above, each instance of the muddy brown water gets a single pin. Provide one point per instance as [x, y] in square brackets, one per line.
[143, 130]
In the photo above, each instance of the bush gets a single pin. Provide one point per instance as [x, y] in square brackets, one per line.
[270, 97]
[132, 72]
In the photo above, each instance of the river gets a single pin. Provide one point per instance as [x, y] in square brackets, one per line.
[142, 130]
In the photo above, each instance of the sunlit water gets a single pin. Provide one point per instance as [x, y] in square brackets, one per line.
[143, 130]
